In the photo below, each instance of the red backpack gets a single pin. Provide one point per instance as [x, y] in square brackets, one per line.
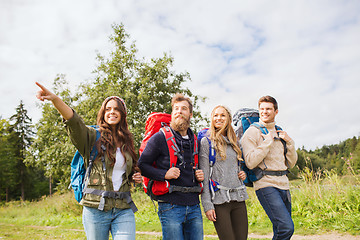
[160, 122]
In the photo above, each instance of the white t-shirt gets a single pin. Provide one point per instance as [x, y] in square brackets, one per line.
[119, 170]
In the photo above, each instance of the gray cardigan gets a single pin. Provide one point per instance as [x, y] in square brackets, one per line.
[225, 172]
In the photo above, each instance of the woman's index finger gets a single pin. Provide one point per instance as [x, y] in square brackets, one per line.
[41, 86]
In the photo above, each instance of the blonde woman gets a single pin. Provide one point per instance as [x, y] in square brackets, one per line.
[224, 204]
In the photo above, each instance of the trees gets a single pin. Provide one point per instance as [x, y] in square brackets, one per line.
[16, 178]
[52, 150]
[20, 136]
[336, 156]
[8, 176]
[146, 86]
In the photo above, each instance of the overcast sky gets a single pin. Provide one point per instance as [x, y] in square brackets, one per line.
[305, 53]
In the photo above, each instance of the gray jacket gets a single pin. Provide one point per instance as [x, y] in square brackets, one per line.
[225, 172]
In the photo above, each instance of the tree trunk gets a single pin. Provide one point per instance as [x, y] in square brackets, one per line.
[22, 185]
[50, 187]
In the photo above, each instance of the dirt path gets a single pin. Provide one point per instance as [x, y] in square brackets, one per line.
[330, 236]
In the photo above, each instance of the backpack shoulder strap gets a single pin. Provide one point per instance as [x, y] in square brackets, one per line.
[196, 153]
[282, 140]
[172, 146]
[93, 154]
[261, 127]
[98, 135]
[212, 153]
[94, 150]
[204, 133]
[212, 157]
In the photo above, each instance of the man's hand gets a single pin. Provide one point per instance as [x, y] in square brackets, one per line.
[211, 215]
[172, 173]
[199, 175]
[284, 135]
[270, 136]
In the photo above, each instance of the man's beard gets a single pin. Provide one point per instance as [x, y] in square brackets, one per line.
[181, 123]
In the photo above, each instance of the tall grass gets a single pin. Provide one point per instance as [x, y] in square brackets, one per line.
[59, 210]
[322, 201]
[325, 202]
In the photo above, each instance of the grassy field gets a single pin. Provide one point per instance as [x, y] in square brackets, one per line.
[321, 204]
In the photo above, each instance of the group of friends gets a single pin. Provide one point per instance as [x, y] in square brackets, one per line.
[117, 166]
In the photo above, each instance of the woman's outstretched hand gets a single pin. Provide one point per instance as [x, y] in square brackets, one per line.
[44, 93]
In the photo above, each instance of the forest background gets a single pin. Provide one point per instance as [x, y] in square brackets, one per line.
[37, 156]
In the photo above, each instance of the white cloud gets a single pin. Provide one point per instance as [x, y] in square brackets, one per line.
[304, 53]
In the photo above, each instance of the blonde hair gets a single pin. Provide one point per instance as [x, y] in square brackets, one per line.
[216, 135]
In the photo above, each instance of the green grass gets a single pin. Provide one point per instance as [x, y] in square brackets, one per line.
[321, 203]
[327, 202]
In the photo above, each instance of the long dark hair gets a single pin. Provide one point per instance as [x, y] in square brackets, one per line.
[121, 133]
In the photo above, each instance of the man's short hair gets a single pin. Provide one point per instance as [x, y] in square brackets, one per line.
[178, 97]
[270, 100]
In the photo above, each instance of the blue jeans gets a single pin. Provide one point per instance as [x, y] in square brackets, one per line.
[98, 224]
[277, 205]
[181, 222]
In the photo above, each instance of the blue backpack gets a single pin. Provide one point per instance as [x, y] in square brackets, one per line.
[78, 172]
[242, 120]
[214, 185]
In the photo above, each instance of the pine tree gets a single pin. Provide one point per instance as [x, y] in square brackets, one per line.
[8, 177]
[21, 135]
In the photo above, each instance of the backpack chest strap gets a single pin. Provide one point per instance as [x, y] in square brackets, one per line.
[275, 173]
[194, 189]
[228, 190]
[111, 194]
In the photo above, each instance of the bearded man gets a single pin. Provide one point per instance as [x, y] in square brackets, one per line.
[179, 211]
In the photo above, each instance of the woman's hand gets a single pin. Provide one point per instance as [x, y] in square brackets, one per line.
[137, 178]
[242, 175]
[211, 215]
[44, 93]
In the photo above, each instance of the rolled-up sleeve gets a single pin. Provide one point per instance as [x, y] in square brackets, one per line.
[81, 136]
